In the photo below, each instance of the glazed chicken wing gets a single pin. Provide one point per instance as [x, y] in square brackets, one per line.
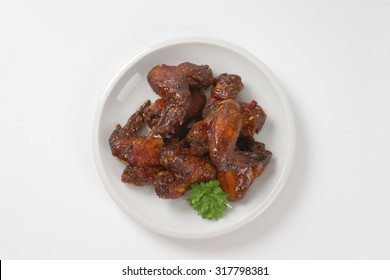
[224, 132]
[237, 179]
[133, 149]
[173, 83]
[236, 169]
[156, 111]
[225, 87]
[183, 170]
[228, 86]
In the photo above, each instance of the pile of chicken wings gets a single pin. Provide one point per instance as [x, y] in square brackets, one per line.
[192, 139]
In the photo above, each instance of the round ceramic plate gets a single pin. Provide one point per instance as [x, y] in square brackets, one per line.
[129, 89]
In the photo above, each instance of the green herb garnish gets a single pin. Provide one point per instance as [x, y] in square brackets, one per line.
[208, 199]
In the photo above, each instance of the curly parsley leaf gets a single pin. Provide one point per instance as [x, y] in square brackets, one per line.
[208, 199]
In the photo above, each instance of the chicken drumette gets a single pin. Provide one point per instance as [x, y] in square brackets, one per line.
[236, 168]
[225, 87]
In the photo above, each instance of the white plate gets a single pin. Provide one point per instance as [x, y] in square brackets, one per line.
[129, 89]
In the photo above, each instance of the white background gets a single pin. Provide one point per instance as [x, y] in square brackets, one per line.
[331, 57]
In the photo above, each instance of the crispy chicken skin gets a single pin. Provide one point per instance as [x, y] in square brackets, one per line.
[173, 83]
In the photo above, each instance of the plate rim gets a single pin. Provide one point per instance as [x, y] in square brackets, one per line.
[286, 108]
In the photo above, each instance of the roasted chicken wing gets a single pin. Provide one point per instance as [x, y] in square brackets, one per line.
[223, 135]
[156, 111]
[225, 86]
[236, 169]
[133, 149]
[173, 83]
[183, 170]
[237, 179]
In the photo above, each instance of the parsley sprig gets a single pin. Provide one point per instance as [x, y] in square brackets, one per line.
[208, 199]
